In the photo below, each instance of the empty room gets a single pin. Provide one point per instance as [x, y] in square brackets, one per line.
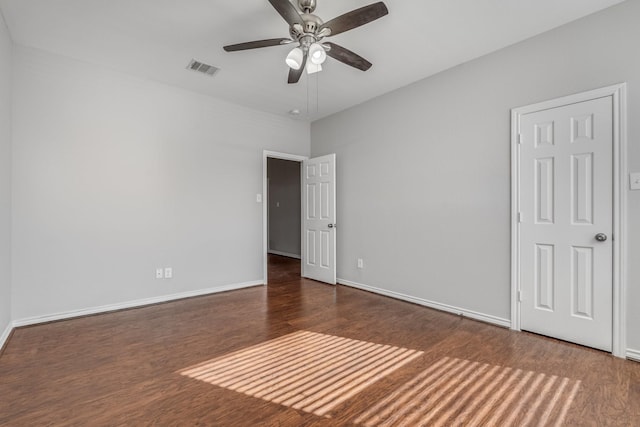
[319, 212]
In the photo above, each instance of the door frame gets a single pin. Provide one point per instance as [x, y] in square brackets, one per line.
[265, 200]
[618, 93]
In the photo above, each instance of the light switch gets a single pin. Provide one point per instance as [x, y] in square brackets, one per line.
[258, 198]
[634, 181]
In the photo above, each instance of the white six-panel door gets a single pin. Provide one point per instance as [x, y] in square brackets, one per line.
[566, 187]
[319, 217]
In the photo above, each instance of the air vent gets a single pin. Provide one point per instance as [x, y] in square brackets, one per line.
[203, 68]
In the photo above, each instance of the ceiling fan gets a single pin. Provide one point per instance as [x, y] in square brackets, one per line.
[308, 31]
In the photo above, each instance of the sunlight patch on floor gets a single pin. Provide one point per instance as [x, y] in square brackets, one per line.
[305, 370]
[455, 392]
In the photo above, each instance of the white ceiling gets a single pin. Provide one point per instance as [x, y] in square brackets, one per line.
[155, 39]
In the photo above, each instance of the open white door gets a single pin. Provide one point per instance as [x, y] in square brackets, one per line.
[319, 217]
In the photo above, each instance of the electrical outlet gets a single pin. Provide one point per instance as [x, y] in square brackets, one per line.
[159, 273]
[360, 263]
[634, 179]
[258, 198]
[168, 273]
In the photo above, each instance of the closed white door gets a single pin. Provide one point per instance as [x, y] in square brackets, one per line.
[319, 229]
[566, 187]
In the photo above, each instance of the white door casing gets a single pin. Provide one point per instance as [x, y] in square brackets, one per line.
[566, 192]
[319, 217]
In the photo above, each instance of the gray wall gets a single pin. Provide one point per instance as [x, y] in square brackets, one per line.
[284, 206]
[114, 176]
[5, 177]
[424, 172]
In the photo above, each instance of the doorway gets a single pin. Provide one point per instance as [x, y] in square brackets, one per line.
[282, 210]
[284, 217]
[568, 219]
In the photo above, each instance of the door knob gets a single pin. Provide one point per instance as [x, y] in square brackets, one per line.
[334, 226]
[601, 237]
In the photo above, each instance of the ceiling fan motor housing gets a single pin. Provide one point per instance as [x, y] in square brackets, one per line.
[311, 25]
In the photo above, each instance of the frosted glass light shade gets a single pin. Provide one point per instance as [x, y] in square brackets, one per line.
[294, 58]
[317, 54]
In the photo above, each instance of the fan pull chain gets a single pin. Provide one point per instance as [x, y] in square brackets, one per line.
[308, 115]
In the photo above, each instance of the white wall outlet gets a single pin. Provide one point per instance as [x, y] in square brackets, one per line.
[258, 198]
[360, 263]
[634, 181]
[159, 273]
[168, 273]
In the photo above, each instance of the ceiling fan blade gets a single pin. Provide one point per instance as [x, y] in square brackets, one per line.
[256, 44]
[288, 11]
[347, 57]
[294, 75]
[355, 18]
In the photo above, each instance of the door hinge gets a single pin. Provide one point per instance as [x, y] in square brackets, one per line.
[519, 138]
[519, 217]
[519, 296]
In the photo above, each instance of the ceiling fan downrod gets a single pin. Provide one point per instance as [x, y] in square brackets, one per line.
[307, 6]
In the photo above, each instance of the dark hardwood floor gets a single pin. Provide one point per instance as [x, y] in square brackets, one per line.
[328, 355]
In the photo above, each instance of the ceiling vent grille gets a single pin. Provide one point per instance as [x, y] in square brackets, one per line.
[203, 68]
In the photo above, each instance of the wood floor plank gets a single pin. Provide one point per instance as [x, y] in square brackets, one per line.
[124, 368]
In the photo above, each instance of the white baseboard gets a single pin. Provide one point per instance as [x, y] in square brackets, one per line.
[287, 254]
[131, 304]
[5, 335]
[431, 304]
[633, 354]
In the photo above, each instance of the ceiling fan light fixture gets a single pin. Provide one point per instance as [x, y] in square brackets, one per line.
[317, 53]
[295, 58]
